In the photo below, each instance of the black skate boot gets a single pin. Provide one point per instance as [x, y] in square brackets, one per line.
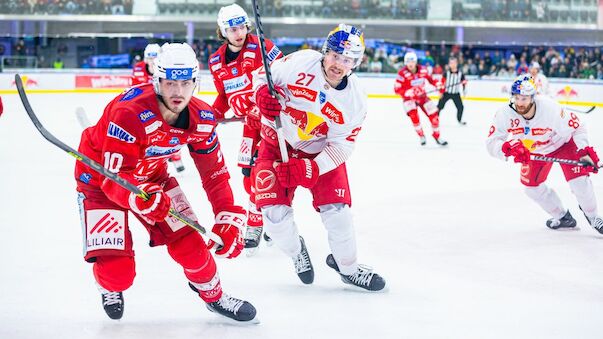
[596, 222]
[364, 277]
[423, 140]
[230, 307]
[440, 141]
[303, 265]
[233, 308]
[113, 303]
[253, 235]
[567, 221]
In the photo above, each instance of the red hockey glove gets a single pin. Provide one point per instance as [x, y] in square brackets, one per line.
[229, 226]
[297, 172]
[252, 119]
[515, 148]
[268, 104]
[588, 154]
[157, 208]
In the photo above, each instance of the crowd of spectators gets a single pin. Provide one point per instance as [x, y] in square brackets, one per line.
[567, 11]
[106, 7]
[567, 62]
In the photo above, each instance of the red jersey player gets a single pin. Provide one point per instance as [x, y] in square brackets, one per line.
[138, 131]
[231, 66]
[410, 85]
[142, 73]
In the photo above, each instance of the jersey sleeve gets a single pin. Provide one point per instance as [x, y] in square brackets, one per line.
[497, 135]
[272, 50]
[214, 174]
[120, 153]
[341, 141]
[570, 125]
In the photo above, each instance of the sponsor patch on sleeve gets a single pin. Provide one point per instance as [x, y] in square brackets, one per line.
[131, 94]
[146, 115]
[206, 115]
[117, 132]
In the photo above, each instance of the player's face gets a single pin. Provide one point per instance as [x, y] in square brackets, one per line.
[176, 93]
[336, 66]
[412, 65]
[534, 72]
[453, 64]
[523, 103]
[236, 35]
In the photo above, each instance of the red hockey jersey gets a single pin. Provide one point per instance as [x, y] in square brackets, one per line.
[406, 81]
[132, 139]
[140, 74]
[233, 79]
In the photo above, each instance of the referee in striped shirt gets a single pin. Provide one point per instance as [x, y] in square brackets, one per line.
[454, 79]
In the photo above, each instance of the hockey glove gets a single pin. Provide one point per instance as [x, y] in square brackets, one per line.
[229, 226]
[267, 103]
[515, 148]
[588, 155]
[252, 119]
[297, 172]
[156, 208]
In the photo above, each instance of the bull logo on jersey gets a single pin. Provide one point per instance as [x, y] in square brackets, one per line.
[532, 145]
[309, 125]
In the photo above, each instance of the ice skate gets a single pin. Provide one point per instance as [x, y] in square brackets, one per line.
[567, 221]
[423, 140]
[113, 303]
[233, 308]
[440, 141]
[364, 277]
[596, 222]
[303, 265]
[253, 236]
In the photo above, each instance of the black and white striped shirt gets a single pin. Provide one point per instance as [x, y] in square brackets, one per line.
[454, 81]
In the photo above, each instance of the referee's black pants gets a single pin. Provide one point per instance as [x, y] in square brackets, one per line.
[456, 98]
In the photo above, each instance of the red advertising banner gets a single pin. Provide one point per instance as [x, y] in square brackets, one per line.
[102, 81]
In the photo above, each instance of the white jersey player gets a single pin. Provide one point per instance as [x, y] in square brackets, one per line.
[322, 110]
[541, 81]
[538, 125]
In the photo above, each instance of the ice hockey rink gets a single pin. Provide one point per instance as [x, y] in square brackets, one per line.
[464, 252]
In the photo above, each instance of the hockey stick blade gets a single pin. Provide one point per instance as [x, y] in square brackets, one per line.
[82, 118]
[97, 167]
[563, 161]
[580, 111]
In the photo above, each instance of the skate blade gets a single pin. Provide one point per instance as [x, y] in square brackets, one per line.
[229, 321]
[356, 289]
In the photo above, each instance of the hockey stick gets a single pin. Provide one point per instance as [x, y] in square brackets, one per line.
[82, 118]
[232, 119]
[100, 169]
[277, 120]
[581, 111]
[563, 161]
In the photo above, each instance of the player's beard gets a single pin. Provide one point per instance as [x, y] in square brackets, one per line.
[524, 110]
[177, 107]
[238, 44]
[334, 73]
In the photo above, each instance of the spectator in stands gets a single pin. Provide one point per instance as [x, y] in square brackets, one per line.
[58, 64]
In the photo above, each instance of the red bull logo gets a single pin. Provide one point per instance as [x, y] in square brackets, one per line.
[309, 124]
[567, 92]
[27, 81]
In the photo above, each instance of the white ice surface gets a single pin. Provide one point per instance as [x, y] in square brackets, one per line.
[465, 253]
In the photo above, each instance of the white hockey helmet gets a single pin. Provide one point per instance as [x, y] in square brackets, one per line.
[151, 51]
[346, 40]
[410, 56]
[535, 65]
[231, 16]
[523, 85]
[176, 61]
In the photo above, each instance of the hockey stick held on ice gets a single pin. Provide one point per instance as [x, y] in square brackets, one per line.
[100, 169]
[572, 109]
[277, 120]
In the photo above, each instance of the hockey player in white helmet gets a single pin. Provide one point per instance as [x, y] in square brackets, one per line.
[231, 66]
[322, 108]
[537, 125]
[135, 136]
[410, 85]
[142, 73]
[541, 81]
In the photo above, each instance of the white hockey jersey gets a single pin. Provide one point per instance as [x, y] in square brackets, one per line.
[316, 118]
[549, 129]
